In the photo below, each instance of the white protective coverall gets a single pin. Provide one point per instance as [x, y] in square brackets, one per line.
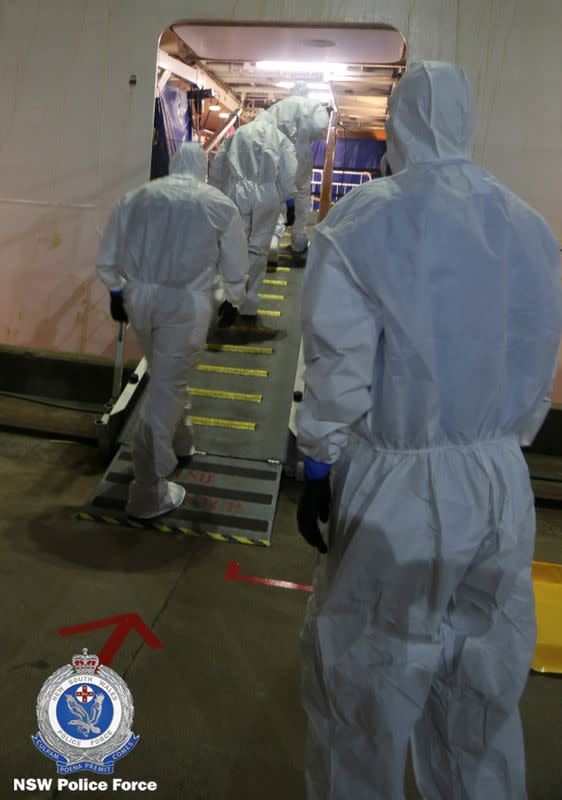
[432, 316]
[165, 243]
[256, 168]
[383, 166]
[303, 121]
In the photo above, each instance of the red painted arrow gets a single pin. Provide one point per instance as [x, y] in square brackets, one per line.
[233, 574]
[123, 624]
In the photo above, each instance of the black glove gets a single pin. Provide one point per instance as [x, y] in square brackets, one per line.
[314, 504]
[117, 307]
[290, 220]
[227, 314]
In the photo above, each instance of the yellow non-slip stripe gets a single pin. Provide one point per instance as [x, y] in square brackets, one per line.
[252, 373]
[111, 521]
[216, 394]
[273, 282]
[271, 296]
[239, 348]
[215, 422]
[267, 312]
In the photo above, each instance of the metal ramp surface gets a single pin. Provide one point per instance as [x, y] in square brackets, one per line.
[241, 396]
[228, 500]
[242, 390]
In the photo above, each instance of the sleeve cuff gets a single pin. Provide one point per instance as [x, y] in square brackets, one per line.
[315, 470]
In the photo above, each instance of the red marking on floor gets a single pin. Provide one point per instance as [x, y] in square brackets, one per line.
[200, 477]
[124, 623]
[233, 574]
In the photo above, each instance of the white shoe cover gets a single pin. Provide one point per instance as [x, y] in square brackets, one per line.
[273, 255]
[147, 502]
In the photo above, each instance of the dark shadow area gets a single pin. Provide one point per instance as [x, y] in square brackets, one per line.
[61, 537]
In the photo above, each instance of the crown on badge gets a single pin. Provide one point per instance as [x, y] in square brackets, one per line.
[85, 663]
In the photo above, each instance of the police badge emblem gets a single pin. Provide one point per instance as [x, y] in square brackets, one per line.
[85, 713]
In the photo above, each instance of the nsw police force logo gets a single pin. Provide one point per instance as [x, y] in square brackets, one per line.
[85, 714]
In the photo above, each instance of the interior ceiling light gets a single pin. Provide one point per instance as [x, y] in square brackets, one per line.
[224, 115]
[214, 107]
[301, 66]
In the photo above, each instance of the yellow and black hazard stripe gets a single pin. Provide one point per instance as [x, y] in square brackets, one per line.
[163, 528]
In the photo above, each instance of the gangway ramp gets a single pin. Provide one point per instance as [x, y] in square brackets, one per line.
[241, 398]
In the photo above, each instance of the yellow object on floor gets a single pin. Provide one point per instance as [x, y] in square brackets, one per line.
[547, 580]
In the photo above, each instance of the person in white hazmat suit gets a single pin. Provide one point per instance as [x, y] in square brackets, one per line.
[432, 317]
[160, 254]
[256, 167]
[303, 121]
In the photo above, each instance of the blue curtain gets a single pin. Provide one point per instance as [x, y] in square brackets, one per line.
[173, 125]
[160, 154]
[352, 155]
[355, 154]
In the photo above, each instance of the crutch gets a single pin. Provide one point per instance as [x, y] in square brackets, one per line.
[119, 363]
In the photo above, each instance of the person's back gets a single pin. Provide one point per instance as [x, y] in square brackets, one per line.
[302, 121]
[431, 322]
[256, 153]
[256, 167]
[457, 301]
[169, 232]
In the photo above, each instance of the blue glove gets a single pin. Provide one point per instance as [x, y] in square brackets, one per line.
[315, 470]
[117, 306]
[314, 503]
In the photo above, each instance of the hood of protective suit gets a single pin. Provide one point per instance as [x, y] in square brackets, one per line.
[302, 120]
[300, 89]
[189, 160]
[384, 166]
[431, 115]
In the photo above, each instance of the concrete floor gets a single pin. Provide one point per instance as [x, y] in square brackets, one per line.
[218, 708]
